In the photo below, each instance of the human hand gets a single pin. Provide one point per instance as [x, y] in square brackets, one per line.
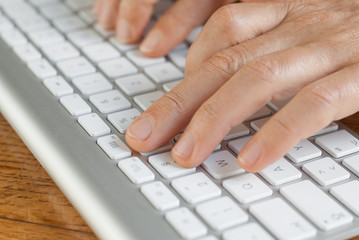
[247, 55]
[130, 18]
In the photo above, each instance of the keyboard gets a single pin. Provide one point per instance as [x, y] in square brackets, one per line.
[71, 90]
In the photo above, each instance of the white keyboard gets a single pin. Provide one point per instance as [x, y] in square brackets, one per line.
[311, 193]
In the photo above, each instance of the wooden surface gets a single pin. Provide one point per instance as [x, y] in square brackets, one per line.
[31, 205]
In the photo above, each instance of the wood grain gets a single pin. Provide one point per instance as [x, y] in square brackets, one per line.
[31, 205]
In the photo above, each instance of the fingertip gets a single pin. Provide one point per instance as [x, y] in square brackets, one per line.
[150, 45]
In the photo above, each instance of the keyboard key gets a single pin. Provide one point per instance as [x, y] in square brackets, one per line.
[303, 151]
[279, 218]
[166, 167]
[60, 51]
[330, 128]
[76, 67]
[91, 84]
[352, 163]
[123, 119]
[193, 35]
[208, 238]
[277, 105]
[135, 84]
[27, 52]
[237, 145]
[263, 112]
[222, 164]
[111, 101]
[118, 67]
[104, 32]
[165, 148]
[58, 86]
[42, 69]
[196, 188]
[136, 170]
[247, 188]
[39, 3]
[250, 231]
[100, 52]
[13, 38]
[55, 10]
[141, 61]
[170, 85]
[5, 24]
[75, 105]
[19, 10]
[347, 193]
[114, 147]
[326, 171]
[85, 37]
[46, 37]
[93, 125]
[77, 5]
[280, 172]
[31, 24]
[123, 47]
[257, 124]
[144, 101]
[69, 23]
[221, 213]
[316, 205]
[163, 72]
[186, 223]
[160, 196]
[88, 16]
[338, 144]
[179, 57]
[237, 131]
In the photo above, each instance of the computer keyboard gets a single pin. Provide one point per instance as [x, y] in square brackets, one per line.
[74, 80]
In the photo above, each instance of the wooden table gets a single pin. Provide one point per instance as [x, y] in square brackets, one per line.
[31, 205]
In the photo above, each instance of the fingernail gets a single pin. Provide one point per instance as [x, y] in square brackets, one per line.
[106, 14]
[141, 130]
[124, 33]
[151, 42]
[250, 154]
[185, 145]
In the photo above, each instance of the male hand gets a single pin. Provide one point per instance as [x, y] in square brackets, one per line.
[247, 55]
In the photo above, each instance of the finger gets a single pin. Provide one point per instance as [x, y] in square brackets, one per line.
[234, 24]
[331, 98]
[175, 25]
[107, 12]
[96, 6]
[258, 82]
[132, 19]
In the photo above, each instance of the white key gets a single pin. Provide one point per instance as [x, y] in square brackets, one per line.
[303, 151]
[22, 10]
[136, 170]
[93, 125]
[238, 131]
[208, 238]
[247, 188]
[330, 128]
[88, 16]
[5, 24]
[160, 196]
[75, 105]
[39, 3]
[100, 52]
[31, 24]
[123, 119]
[237, 145]
[123, 47]
[117, 68]
[69, 23]
[193, 35]
[164, 72]
[91, 84]
[144, 101]
[222, 164]
[338, 144]
[141, 61]
[277, 105]
[326, 171]
[135, 84]
[110, 101]
[164, 165]
[279, 218]
[46, 37]
[186, 223]
[58, 86]
[352, 163]
[61, 51]
[165, 148]
[77, 5]
[42, 69]
[179, 57]
[347, 193]
[170, 85]
[103, 32]
[280, 172]
[250, 231]
[263, 112]
[76, 67]
[27, 52]
[221, 213]
[257, 124]
[55, 10]
[114, 147]
[13, 38]
[84, 37]
[316, 205]
[6, 3]
[196, 188]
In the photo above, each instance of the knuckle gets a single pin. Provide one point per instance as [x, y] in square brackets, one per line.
[224, 18]
[174, 101]
[264, 69]
[283, 126]
[208, 112]
[320, 96]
